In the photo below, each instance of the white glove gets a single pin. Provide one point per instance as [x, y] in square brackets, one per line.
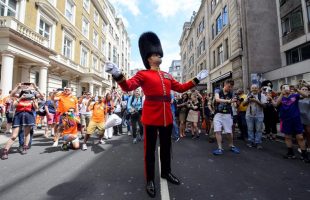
[202, 74]
[112, 68]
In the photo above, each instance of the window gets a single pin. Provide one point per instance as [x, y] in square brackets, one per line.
[85, 27]
[214, 59]
[95, 62]
[213, 31]
[86, 5]
[37, 77]
[282, 2]
[8, 7]
[220, 55]
[103, 46]
[114, 55]
[226, 50]
[95, 39]
[292, 21]
[110, 52]
[96, 17]
[308, 10]
[201, 26]
[298, 54]
[84, 57]
[67, 47]
[69, 10]
[219, 24]
[201, 47]
[213, 4]
[45, 29]
[225, 16]
[64, 83]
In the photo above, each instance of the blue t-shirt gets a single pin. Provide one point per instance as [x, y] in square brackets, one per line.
[50, 106]
[289, 107]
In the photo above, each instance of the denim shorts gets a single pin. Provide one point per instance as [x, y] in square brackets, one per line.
[23, 119]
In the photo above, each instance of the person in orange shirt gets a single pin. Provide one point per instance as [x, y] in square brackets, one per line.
[70, 130]
[65, 101]
[97, 120]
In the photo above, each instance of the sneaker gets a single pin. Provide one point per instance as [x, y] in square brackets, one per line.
[64, 147]
[218, 152]
[25, 148]
[299, 150]
[84, 147]
[129, 133]
[4, 154]
[55, 144]
[289, 156]
[234, 150]
[258, 146]
[250, 145]
[101, 141]
[134, 141]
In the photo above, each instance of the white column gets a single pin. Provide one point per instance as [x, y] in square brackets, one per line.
[24, 74]
[100, 91]
[43, 79]
[7, 72]
[22, 10]
[91, 88]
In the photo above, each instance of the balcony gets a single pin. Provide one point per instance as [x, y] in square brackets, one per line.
[13, 24]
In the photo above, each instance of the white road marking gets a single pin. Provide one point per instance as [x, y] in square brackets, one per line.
[164, 190]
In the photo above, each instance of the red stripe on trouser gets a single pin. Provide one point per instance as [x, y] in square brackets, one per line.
[145, 139]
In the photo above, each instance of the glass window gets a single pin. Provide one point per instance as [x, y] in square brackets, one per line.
[8, 7]
[226, 49]
[84, 56]
[67, 48]
[95, 63]
[86, 4]
[44, 29]
[285, 26]
[296, 20]
[213, 31]
[96, 17]
[308, 10]
[110, 52]
[225, 16]
[69, 10]
[219, 24]
[294, 56]
[220, 54]
[95, 38]
[85, 27]
[114, 55]
[103, 46]
[305, 52]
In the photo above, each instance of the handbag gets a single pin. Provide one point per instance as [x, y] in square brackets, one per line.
[204, 124]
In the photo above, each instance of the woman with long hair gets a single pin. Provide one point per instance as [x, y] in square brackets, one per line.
[193, 115]
[109, 109]
[182, 107]
[24, 117]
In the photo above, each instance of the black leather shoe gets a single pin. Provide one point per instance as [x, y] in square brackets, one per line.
[171, 178]
[150, 189]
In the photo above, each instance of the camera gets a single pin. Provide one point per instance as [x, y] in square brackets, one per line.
[238, 98]
[28, 96]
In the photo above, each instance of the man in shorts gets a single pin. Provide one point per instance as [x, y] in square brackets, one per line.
[97, 120]
[85, 115]
[223, 117]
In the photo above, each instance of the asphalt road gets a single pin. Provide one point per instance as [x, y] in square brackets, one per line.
[115, 171]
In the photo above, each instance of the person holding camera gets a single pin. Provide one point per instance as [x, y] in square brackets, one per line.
[241, 112]
[24, 117]
[255, 116]
[134, 106]
[85, 115]
[291, 121]
[70, 130]
[223, 117]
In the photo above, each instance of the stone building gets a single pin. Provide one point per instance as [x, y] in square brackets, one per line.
[58, 43]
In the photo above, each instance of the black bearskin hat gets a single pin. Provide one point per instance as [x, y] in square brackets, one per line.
[267, 83]
[149, 44]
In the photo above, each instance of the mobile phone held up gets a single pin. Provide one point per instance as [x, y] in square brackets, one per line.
[26, 84]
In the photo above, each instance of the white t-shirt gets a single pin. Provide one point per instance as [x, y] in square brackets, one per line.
[84, 107]
[254, 109]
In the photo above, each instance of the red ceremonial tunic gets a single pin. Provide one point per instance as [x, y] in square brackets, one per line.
[156, 86]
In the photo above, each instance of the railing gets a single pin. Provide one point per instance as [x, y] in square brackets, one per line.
[14, 24]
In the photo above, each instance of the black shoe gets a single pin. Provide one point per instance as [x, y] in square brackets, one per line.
[289, 156]
[171, 178]
[150, 189]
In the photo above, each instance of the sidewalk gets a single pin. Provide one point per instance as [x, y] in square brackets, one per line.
[4, 137]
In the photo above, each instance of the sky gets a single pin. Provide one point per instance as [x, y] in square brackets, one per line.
[163, 17]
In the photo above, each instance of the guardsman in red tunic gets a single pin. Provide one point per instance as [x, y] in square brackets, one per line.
[156, 112]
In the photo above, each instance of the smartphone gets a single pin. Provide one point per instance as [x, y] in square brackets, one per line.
[26, 83]
[60, 90]
[286, 87]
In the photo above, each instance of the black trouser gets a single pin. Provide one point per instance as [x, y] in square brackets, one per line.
[118, 129]
[136, 120]
[270, 125]
[242, 124]
[150, 138]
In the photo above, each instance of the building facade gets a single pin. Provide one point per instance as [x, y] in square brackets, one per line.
[223, 37]
[175, 70]
[58, 43]
[294, 25]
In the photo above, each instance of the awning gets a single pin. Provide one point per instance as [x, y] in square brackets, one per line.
[223, 76]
